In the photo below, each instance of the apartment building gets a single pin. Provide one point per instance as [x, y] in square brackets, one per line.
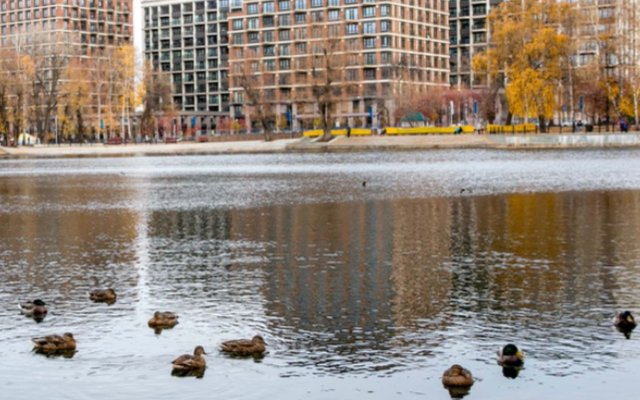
[92, 25]
[187, 40]
[468, 36]
[388, 43]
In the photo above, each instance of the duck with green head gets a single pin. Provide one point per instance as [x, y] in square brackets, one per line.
[510, 356]
[624, 321]
[36, 309]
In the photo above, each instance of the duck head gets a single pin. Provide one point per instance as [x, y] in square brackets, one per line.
[512, 350]
[258, 339]
[626, 315]
[198, 351]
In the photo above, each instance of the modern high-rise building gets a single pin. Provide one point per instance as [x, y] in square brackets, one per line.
[387, 44]
[92, 25]
[468, 36]
[188, 41]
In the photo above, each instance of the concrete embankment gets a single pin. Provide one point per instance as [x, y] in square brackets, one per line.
[339, 144]
[566, 141]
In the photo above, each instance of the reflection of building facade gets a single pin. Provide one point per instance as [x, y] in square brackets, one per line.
[384, 43]
[421, 246]
[187, 40]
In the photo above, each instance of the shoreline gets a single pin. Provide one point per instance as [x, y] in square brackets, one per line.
[338, 144]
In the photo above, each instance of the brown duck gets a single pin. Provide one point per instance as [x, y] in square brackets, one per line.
[188, 362]
[243, 347]
[54, 343]
[163, 320]
[103, 295]
[457, 376]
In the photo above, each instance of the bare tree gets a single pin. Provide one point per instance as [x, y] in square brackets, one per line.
[156, 97]
[330, 80]
[50, 55]
[250, 75]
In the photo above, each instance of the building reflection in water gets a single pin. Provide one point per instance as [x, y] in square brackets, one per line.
[51, 247]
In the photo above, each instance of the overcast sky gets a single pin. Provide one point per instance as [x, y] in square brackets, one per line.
[138, 39]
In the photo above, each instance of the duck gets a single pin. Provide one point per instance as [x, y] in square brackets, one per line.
[457, 376]
[163, 320]
[34, 308]
[103, 295]
[624, 321]
[244, 347]
[510, 356]
[54, 343]
[188, 362]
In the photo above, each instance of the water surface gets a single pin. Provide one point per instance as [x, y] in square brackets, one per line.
[361, 291]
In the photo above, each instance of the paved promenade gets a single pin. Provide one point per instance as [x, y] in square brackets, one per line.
[339, 144]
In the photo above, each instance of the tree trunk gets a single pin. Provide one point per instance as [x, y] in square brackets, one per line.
[543, 124]
[326, 124]
[635, 109]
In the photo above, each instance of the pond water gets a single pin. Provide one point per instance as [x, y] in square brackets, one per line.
[367, 274]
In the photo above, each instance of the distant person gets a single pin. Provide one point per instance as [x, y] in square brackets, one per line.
[348, 131]
[458, 130]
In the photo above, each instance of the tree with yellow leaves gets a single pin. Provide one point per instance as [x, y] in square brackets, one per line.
[526, 54]
[75, 100]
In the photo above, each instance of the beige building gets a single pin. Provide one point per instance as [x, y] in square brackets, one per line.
[385, 45]
[91, 24]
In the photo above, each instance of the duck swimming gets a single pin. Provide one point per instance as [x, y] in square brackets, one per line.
[54, 343]
[163, 320]
[243, 347]
[457, 376]
[103, 296]
[36, 309]
[510, 356]
[188, 362]
[624, 321]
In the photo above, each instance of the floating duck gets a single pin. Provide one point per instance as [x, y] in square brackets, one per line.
[189, 363]
[624, 321]
[36, 309]
[243, 347]
[103, 295]
[510, 356]
[54, 343]
[457, 376]
[163, 320]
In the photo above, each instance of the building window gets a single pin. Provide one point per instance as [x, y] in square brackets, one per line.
[285, 64]
[369, 43]
[284, 5]
[369, 27]
[351, 13]
[370, 58]
[284, 20]
[368, 12]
